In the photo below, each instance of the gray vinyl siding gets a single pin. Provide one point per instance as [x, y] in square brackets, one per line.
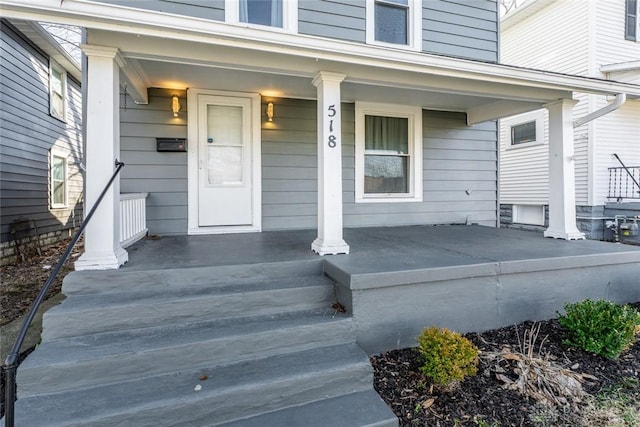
[333, 19]
[461, 28]
[205, 9]
[27, 135]
[289, 167]
[456, 158]
[161, 174]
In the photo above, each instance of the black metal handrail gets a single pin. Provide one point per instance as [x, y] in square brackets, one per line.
[624, 189]
[10, 365]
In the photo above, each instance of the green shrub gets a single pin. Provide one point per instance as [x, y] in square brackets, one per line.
[600, 327]
[447, 356]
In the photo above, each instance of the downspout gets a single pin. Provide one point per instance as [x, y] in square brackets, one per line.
[617, 103]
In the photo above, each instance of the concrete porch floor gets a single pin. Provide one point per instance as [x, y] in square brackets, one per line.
[373, 250]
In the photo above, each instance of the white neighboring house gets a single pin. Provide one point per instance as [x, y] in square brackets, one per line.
[598, 39]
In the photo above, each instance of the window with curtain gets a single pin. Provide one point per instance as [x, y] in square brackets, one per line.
[392, 21]
[57, 91]
[261, 12]
[631, 20]
[386, 155]
[58, 180]
[388, 163]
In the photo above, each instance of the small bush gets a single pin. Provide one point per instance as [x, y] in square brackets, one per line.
[600, 327]
[448, 356]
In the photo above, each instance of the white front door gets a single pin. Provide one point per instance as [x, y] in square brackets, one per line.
[225, 191]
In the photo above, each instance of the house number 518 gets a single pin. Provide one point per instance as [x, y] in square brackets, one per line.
[332, 138]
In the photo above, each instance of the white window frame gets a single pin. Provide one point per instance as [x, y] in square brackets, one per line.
[637, 21]
[534, 116]
[414, 32]
[65, 157]
[63, 84]
[289, 16]
[414, 116]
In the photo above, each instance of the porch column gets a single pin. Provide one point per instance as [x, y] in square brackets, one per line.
[562, 181]
[102, 235]
[329, 240]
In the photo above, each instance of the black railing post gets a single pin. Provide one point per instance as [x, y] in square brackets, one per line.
[10, 365]
[635, 181]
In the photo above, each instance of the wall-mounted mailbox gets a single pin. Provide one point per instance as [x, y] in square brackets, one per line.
[171, 144]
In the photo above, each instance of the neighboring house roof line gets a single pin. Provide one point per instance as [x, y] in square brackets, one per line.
[157, 24]
[521, 13]
[45, 41]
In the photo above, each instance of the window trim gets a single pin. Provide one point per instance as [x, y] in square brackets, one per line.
[65, 157]
[53, 65]
[535, 116]
[414, 116]
[289, 16]
[414, 32]
[634, 14]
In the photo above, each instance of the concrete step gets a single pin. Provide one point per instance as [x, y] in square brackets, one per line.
[115, 356]
[125, 282]
[85, 314]
[238, 390]
[359, 409]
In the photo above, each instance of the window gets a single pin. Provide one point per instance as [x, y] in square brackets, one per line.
[524, 130]
[395, 23]
[528, 214]
[631, 20]
[388, 153]
[57, 91]
[58, 180]
[523, 133]
[270, 13]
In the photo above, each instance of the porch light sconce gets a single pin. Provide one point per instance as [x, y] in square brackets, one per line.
[270, 111]
[175, 105]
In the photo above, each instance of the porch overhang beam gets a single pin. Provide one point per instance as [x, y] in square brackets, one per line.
[498, 110]
[185, 28]
[136, 82]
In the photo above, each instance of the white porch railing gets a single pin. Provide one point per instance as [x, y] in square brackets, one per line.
[133, 218]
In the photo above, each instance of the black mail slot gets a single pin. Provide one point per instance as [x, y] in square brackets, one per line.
[171, 144]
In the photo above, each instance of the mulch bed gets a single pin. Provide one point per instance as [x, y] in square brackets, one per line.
[483, 400]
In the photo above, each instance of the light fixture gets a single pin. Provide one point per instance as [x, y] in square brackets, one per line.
[175, 105]
[270, 111]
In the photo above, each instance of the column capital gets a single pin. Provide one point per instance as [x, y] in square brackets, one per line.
[562, 101]
[328, 76]
[104, 52]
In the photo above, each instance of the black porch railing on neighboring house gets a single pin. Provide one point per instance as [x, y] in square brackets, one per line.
[10, 365]
[624, 181]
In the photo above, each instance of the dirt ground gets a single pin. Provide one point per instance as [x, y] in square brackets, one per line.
[21, 282]
[488, 399]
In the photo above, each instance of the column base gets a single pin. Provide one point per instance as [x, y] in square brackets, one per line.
[102, 260]
[566, 235]
[334, 247]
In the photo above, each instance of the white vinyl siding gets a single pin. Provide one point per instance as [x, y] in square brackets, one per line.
[611, 46]
[617, 132]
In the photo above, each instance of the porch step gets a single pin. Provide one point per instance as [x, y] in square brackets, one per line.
[246, 388]
[182, 295]
[115, 356]
[198, 347]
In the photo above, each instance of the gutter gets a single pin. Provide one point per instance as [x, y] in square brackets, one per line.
[617, 103]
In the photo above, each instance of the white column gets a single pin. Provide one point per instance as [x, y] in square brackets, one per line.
[562, 181]
[329, 240]
[102, 235]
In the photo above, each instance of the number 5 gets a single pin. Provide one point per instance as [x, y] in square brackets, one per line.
[332, 110]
